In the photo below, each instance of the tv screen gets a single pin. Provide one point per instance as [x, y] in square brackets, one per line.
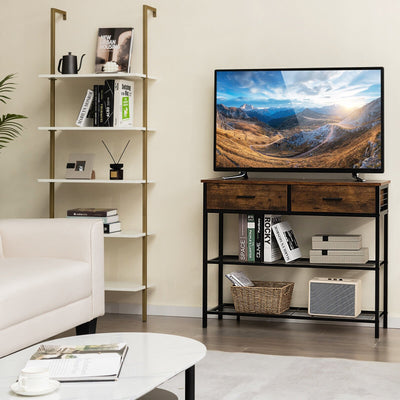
[315, 120]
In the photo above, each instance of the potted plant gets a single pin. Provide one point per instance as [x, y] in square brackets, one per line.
[9, 127]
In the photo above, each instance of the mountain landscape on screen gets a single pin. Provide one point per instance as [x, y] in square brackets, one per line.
[298, 119]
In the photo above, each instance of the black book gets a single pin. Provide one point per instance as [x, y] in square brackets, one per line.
[96, 105]
[259, 239]
[101, 106]
[108, 100]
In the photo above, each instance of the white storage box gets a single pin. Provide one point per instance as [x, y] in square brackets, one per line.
[339, 256]
[338, 242]
[334, 297]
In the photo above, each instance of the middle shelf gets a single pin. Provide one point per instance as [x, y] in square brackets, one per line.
[299, 263]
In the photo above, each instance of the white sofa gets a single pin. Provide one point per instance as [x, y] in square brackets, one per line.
[51, 278]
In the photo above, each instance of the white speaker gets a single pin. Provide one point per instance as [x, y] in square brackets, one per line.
[334, 297]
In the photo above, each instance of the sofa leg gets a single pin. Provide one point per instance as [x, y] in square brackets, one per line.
[87, 328]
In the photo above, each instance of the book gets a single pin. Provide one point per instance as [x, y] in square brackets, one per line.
[340, 256]
[100, 100]
[114, 50]
[123, 103]
[239, 279]
[243, 237]
[286, 240]
[85, 116]
[92, 212]
[271, 247]
[112, 228]
[339, 242]
[96, 105]
[117, 100]
[108, 100]
[259, 237]
[251, 228]
[106, 220]
[80, 363]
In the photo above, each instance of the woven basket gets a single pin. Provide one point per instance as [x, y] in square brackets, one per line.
[263, 297]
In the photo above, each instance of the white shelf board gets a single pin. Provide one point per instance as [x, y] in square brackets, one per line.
[116, 181]
[125, 234]
[123, 286]
[90, 128]
[118, 75]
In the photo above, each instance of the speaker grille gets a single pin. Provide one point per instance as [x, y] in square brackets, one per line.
[332, 299]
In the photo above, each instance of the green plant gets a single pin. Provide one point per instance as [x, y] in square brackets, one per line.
[9, 127]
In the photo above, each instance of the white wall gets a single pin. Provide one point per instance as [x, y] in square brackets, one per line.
[188, 40]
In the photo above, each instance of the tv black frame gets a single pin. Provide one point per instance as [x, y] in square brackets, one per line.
[354, 171]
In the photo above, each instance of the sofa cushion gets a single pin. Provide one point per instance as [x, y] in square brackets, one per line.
[32, 286]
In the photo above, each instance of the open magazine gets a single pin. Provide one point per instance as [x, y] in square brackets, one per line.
[101, 362]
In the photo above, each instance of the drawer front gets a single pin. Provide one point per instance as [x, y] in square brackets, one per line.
[333, 199]
[234, 196]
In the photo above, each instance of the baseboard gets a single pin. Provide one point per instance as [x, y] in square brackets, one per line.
[195, 312]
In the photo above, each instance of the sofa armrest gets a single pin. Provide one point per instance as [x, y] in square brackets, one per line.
[67, 238]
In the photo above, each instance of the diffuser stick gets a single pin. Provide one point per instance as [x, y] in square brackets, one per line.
[109, 152]
[123, 152]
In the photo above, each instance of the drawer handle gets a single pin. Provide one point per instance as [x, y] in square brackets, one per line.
[332, 198]
[245, 197]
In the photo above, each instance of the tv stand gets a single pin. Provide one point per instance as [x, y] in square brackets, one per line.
[309, 198]
[356, 177]
[241, 174]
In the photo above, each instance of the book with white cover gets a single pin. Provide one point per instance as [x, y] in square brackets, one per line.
[340, 256]
[339, 242]
[271, 247]
[286, 240]
[123, 103]
[85, 116]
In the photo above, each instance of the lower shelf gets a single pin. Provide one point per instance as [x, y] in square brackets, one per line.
[294, 313]
[123, 286]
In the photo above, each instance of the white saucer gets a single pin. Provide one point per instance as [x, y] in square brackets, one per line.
[53, 385]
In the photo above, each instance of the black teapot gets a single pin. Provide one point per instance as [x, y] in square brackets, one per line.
[69, 64]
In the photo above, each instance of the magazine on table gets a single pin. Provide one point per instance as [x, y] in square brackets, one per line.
[100, 362]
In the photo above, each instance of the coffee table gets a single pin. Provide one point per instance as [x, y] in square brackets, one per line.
[151, 360]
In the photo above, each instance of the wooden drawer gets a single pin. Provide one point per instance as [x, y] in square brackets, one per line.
[236, 196]
[333, 199]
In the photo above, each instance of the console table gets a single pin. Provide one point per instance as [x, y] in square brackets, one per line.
[298, 197]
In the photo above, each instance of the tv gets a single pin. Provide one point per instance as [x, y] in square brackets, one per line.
[299, 120]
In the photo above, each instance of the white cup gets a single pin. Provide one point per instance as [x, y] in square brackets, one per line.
[33, 379]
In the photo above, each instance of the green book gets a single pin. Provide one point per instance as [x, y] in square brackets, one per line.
[251, 238]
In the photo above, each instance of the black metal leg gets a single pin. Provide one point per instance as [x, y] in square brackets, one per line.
[189, 383]
[377, 273]
[87, 328]
[385, 271]
[221, 263]
[205, 257]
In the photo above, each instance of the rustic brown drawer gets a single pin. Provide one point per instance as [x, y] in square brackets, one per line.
[237, 196]
[333, 199]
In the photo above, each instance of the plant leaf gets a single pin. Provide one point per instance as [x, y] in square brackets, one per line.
[9, 128]
[6, 86]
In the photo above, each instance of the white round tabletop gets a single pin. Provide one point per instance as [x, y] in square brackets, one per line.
[151, 360]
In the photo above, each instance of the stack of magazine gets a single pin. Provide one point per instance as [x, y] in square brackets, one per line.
[239, 279]
[102, 362]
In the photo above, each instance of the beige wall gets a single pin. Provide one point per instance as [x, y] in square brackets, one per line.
[188, 40]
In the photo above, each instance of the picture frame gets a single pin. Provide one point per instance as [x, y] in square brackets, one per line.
[80, 166]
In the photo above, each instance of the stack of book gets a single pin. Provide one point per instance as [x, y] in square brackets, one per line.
[265, 238]
[109, 216]
[342, 249]
[108, 105]
[256, 240]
